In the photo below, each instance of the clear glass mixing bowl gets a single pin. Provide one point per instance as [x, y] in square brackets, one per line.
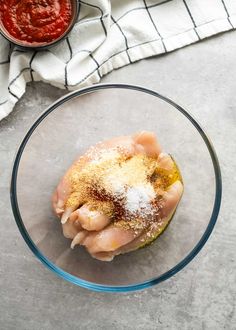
[79, 120]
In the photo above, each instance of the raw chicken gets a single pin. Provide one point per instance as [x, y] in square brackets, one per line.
[119, 196]
[144, 142]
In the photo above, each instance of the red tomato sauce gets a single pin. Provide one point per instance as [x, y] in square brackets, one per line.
[35, 21]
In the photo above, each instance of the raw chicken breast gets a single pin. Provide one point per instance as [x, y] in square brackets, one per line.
[119, 196]
[91, 220]
[112, 238]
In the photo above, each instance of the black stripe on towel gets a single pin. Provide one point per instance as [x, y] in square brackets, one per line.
[227, 13]
[69, 46]
[10, 51]
[71, 54]
[82, 21]
[153, 23]
[19, 51]
[5, 62]
[19, 74]
[14, 79]
[30, 65]
[142, 8]
[126, 41]
[79, 7]
[97, 64]
[101, 17]
[192, 19]
[13, 94]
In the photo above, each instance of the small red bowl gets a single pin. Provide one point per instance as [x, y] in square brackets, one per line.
[42, 45]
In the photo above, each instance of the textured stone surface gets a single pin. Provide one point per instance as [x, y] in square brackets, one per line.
[203, 295]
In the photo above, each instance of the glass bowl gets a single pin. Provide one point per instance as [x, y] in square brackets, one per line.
[65, 130]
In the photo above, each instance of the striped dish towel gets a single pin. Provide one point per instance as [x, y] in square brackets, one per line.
[108, 35]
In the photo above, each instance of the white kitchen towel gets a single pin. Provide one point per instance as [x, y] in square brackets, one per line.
[108, 35]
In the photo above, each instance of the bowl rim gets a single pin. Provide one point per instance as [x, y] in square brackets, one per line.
[113, 288]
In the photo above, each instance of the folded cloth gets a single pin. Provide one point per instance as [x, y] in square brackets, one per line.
[108, 35]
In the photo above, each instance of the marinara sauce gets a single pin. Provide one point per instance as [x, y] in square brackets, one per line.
[35, 21]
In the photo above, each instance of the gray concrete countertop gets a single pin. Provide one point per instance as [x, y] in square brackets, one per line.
[200, 77]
